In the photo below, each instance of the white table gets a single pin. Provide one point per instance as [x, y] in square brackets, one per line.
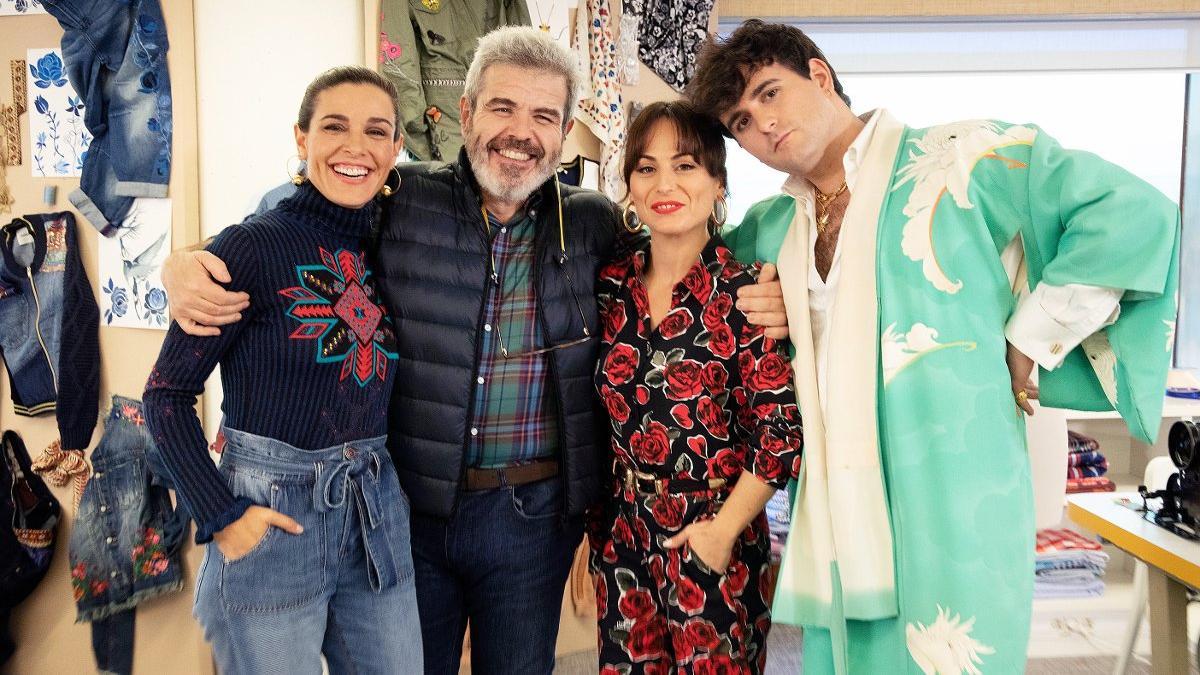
[1173, 563]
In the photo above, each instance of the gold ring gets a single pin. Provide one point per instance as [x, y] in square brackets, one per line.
[1022, 396]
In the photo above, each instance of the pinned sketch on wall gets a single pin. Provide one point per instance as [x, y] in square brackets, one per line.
[131, 291]
[57, 136]
[18, 7]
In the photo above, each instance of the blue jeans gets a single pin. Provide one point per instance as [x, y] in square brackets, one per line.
[501, 561]
[115, 54]
[343, 588]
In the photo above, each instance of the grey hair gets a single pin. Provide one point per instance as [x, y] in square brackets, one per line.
[524, 47]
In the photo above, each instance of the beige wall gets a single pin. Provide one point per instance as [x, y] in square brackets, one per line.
[48, 640]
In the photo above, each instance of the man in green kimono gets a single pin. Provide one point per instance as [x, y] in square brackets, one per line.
[901, 252]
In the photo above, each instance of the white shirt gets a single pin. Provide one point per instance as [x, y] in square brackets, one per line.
[1048, 323]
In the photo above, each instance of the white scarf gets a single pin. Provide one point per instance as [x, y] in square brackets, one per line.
[840, 520]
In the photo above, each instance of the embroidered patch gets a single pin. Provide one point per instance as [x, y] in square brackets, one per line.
[432, 5]
[336, 305]
[56, 246]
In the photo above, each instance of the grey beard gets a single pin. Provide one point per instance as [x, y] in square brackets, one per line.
[495, 185]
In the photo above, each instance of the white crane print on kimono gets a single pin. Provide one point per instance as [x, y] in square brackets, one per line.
[941, 161]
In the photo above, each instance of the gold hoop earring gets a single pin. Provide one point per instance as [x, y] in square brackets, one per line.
[719, 220]
[388, 190]
[625, 219]
[297, 177]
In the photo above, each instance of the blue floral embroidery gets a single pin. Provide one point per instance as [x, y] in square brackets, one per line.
[48, 71]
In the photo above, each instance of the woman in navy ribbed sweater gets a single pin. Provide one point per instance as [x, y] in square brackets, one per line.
[308, 526]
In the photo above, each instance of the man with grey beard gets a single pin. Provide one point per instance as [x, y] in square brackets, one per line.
[487, 267]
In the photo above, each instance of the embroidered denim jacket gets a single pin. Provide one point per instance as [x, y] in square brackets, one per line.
[127, 538]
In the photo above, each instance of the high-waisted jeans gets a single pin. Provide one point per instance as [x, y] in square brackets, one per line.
[343, 588]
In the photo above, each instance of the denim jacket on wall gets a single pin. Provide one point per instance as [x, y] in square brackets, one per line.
[125, 547]
[115, 53]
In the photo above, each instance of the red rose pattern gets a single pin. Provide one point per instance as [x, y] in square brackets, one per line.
[721, 342]
[652, 446]
[683, 380]
[714, 378]
[699, 283]
[618, 409]
[620, 364]
[614, 320]
[668, 511]
[703, 395]
[712, 416]
[682, 416]
[715, 312]
[771, 373]
[637, 603]
[675, 323]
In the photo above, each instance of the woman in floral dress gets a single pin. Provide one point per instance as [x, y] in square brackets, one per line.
[705, 426]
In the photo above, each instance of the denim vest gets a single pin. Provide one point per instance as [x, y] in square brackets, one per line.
[49, 323]
[127, 538]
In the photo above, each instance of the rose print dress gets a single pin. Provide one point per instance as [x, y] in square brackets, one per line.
[692, 403]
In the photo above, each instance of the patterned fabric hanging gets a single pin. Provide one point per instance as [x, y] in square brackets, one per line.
[670, 35]
[601, 109]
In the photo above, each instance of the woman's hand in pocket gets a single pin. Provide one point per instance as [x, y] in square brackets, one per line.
[709, 543]
[239, 537]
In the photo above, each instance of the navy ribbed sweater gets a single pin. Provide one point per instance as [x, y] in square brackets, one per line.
[310, 363]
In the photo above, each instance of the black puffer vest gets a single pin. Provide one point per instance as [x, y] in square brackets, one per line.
[432, 266]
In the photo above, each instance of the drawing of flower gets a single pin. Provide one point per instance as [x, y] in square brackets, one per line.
[118, 300]
[48, 71]
[156, 305]
[74, 105]
[41, 104]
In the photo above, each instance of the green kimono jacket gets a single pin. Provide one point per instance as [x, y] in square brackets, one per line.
[913, 539]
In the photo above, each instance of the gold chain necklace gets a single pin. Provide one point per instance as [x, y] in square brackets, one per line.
[824, 201]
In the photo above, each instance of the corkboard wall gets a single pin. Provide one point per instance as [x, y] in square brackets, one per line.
[48, 640]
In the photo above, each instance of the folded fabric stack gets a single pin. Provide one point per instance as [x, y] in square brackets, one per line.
[1068, 565]
[1084, 459]
[1091, 484]
[779, 519]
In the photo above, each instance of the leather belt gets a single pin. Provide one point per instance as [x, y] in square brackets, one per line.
[648, 484]
[490, 479]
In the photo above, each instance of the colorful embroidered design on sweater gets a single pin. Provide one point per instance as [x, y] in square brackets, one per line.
[336, 305]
